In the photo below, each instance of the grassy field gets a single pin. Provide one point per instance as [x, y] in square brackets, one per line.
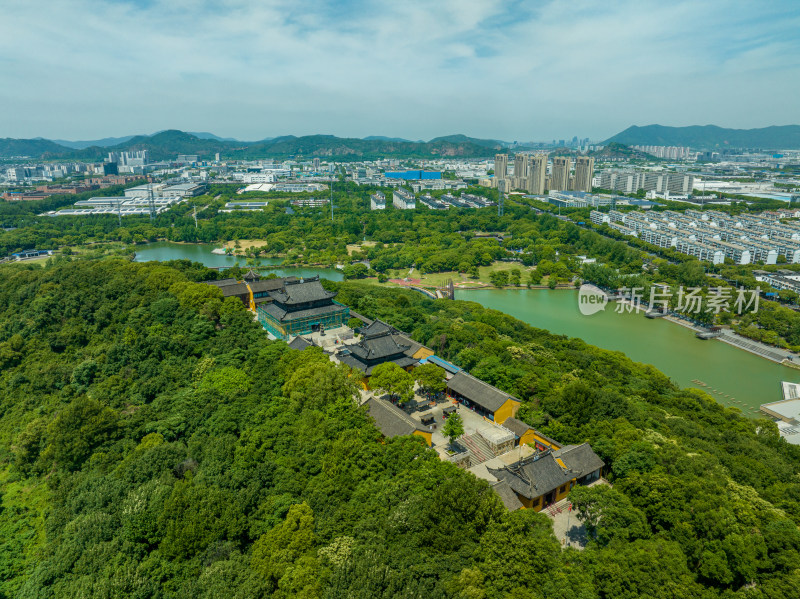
[243, 244]
[439, 279]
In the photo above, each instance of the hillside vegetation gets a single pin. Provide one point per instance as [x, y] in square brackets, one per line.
[155, 444]
[166, 145]
[786, 137]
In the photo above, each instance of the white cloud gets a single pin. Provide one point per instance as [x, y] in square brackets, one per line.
[416, 69]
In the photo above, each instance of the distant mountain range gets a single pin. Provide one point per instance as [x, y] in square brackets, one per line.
[711, 137]
[167, 145]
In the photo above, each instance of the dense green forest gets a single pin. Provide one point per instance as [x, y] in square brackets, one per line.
[154, 443]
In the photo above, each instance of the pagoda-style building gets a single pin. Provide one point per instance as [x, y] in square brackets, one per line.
[379, 343]
[300, 307]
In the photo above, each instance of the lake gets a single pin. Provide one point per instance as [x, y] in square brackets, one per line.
[162, 251]
[740, 379]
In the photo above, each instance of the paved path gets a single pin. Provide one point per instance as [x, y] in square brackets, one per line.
[569, 530]
[567, 527]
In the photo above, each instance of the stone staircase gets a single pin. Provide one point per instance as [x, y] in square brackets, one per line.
[478, 448]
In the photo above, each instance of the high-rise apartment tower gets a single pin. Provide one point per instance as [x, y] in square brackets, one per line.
[559, 175]
[500, 167]
[584, 171]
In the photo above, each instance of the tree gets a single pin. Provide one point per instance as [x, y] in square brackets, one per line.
[355, 271]
[499, 278]
[287, 554]
[317, 382]
[608, 515]
[453, 427]
[394, 380]
[430, 377]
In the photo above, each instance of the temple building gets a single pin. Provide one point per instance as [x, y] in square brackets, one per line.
[527, 435]
[300, 307]
[546, 477]
[380, 343]
[483, 398]
[252, 289]
[394, 422]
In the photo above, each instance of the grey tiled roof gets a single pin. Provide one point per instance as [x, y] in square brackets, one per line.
[309, 290]
[377, 328]
[478, 392]
[517, 427]
[391, 420]
[375, 348]
[269, 284]
[222, 282]
[534, 476]
[300, 343]
[581, 459]
[354, 362]
[235, 289]
[507, 495]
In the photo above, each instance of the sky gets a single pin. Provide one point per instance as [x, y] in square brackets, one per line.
[514, 70]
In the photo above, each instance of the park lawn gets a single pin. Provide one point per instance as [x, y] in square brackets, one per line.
[356, 247]
[246, 243]
[439, 279]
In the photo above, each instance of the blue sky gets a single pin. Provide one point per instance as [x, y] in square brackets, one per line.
[514, 70]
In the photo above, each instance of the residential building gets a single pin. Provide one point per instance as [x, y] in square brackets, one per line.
[598, 218]
[433, 204]
[500, 167]
[521, 168]
[377, 201]
[537, 174]
[559, 174]
[584, 172]
[403, 199]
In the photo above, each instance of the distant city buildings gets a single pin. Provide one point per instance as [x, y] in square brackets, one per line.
[710, 235]
[129, 158]
[669, 152]
[377, 201]
[310, 202]
[403, 199]
[152, 199]
[657, 181]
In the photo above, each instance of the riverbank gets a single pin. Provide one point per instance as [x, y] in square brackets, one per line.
[735, 378]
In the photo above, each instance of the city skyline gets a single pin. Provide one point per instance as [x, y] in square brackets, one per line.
[92, 68]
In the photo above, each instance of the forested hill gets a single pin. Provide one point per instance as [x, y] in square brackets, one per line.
[708, 137]
[155, 444]
[166, 145]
